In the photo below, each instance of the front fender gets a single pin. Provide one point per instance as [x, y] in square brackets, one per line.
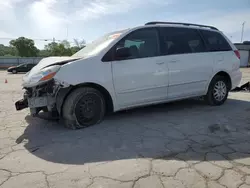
[90, 70]
[60, 97]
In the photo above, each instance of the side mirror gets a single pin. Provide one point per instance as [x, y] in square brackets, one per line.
[122, 53]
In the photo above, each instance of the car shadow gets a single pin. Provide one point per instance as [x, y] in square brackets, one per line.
[181, 130]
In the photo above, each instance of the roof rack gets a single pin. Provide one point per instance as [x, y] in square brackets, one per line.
[179, 23]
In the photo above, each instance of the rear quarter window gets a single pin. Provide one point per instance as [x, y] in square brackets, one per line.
[215, 41]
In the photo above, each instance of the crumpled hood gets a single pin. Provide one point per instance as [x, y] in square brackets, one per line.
[45, 62]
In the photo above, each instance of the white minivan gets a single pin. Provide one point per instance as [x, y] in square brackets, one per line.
[154, 63]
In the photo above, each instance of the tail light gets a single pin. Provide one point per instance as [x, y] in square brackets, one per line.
[237, 53]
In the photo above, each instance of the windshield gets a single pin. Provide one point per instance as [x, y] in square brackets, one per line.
[98, 45]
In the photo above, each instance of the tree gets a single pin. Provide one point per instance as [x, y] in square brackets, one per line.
[61, 49]
[74, 49]
[66, 43]
[7, 51]
[25, 47]
[80, 44]
[44, 53]
[58, 49]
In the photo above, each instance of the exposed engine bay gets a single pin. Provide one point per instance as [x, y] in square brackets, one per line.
[41, 97]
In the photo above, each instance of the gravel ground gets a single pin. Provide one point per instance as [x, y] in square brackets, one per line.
[184, 144]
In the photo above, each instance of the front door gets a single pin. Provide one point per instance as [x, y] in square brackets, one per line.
[142, 77]
[190, 66]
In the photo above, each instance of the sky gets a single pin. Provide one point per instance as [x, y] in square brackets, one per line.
[90, 19]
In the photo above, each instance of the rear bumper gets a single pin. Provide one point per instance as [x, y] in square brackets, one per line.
[236, 78]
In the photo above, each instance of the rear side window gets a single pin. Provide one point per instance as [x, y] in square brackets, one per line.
[215, 41]
[181, 41]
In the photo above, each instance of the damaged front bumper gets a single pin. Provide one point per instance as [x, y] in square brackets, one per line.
[41, 97]
[21, 104]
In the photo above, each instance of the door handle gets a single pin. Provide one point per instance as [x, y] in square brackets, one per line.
[173, 61]
[159, 63]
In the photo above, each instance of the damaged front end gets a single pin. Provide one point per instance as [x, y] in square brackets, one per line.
[41, 89]
[41, 97]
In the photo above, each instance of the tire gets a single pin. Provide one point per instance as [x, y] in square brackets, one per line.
[83, 107]
[14, 71]
[217, 91]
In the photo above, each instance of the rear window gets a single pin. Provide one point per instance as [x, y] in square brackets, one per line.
[215, 41]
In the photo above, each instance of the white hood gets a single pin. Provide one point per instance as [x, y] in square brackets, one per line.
[48, 61]
[45, 63]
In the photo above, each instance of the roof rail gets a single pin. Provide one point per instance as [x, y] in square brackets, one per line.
[179, 23]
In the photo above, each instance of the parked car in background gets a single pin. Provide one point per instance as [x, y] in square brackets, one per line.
[154, 63]
[21, 68]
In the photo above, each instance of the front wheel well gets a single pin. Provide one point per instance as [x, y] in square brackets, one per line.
[104, 92]
[227, 77]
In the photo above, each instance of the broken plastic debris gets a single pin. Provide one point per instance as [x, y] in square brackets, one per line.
[244, 87]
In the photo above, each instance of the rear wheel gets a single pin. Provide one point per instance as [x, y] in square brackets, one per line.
[218, 91]
[83, 107]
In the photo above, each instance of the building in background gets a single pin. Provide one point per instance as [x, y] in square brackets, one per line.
[244, 49]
